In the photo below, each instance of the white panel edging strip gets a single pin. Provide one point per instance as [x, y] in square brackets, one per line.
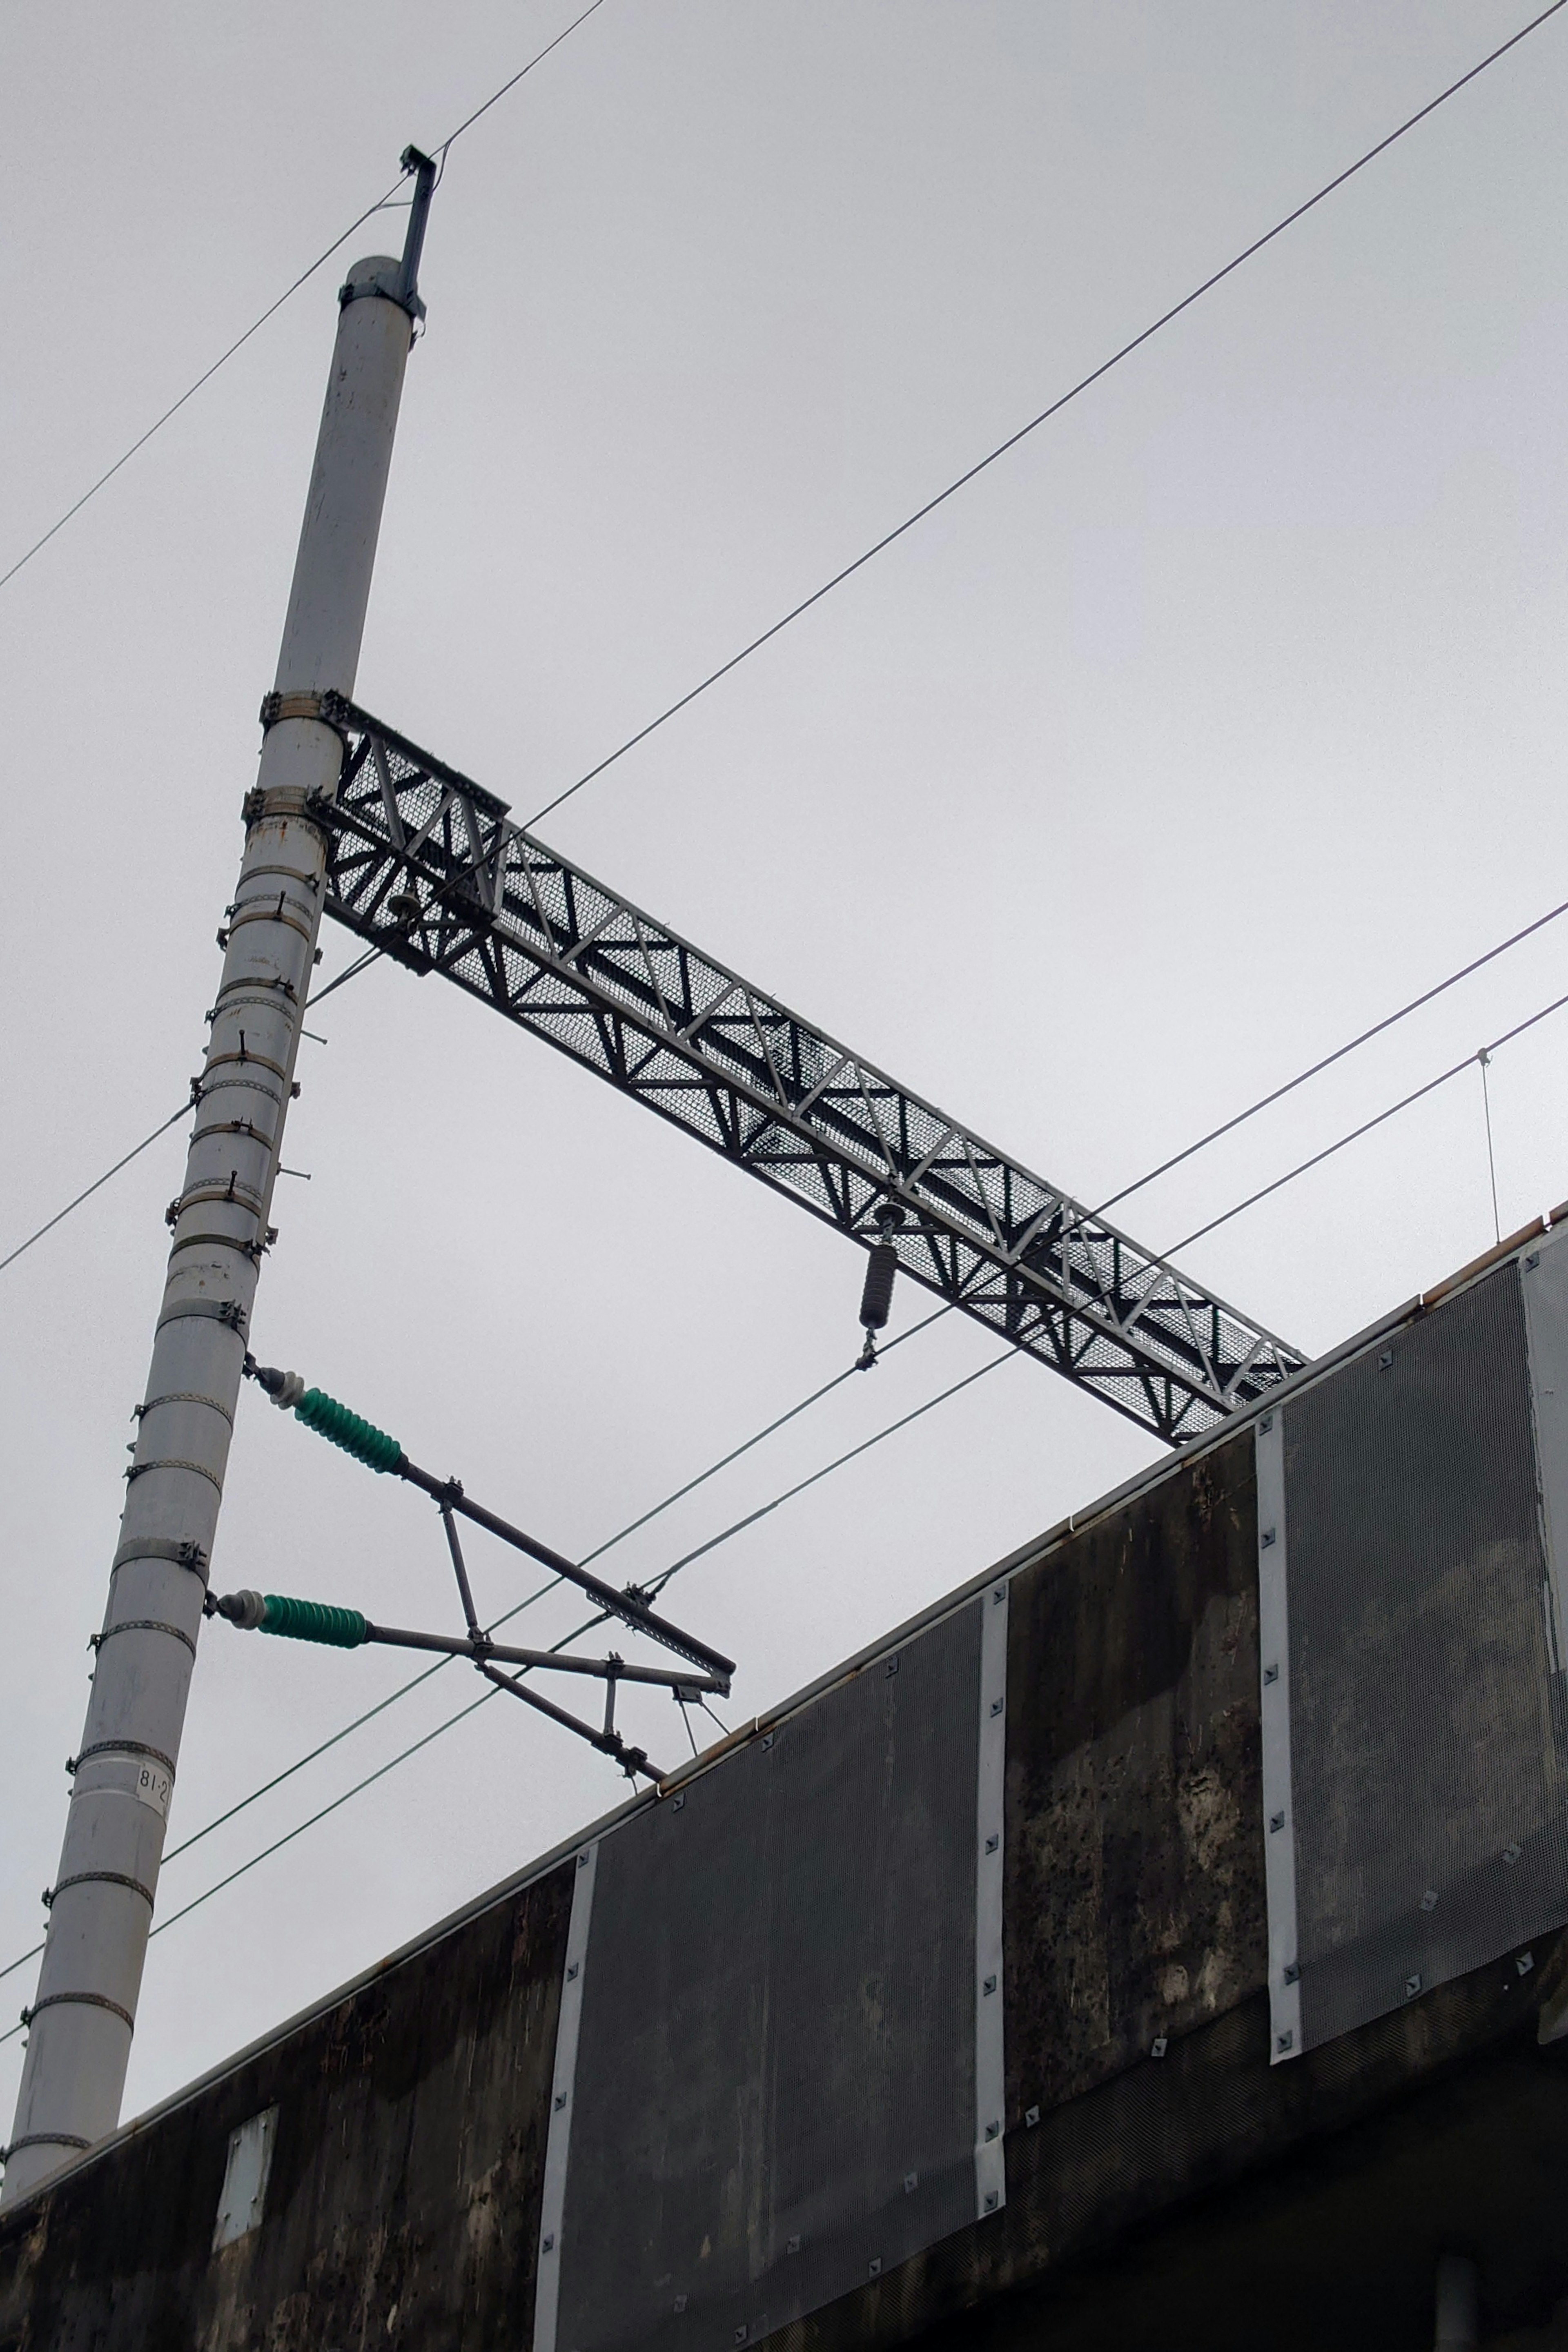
[990, 2066]
[1274, 1667]
[547, 2286]
[1543, 1272]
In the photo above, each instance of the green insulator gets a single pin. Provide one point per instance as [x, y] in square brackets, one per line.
[313, 1620]
[361, 1438]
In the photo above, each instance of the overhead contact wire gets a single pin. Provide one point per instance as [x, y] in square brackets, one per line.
[752, 1518]
[1415, 1096]
[1328, 1061]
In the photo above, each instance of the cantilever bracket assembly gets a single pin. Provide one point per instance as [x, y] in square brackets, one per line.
[431, 869]
[349, 1629]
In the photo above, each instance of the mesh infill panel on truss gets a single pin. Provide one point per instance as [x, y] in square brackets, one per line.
[1429, 1794]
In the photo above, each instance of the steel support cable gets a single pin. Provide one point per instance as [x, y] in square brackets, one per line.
[381, 203]
[1482, 1055]
[752, 1517]
[204, 378]
[1227, 1127]
[1083, 384]
[353, 971]
[1328, 1061]
[1009, 1356]
[750, 1520]
[549, 1584]
[135, 1153]
[463, 1713]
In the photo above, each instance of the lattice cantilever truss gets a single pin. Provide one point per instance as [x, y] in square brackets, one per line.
[431, 869]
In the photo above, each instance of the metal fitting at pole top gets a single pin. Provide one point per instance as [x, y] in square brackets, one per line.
[83, 2015]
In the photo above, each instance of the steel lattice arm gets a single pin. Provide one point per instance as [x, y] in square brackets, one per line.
[429, 867]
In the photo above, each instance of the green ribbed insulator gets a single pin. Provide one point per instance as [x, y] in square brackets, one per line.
[313, 1620]
[361, 1438]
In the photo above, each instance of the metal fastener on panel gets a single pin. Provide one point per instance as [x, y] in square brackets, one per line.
[892, 1666]
[1524, 1963]
[582, 1861]
[912, 2183]
[1429, 1900]
[992, 1843]
[1158, 2047]
[993, 2131]
[559, 2101]
[1511, 1854]
[679, 2304]
[768, 1738]
[1533, 1260]
[1384, 1361]
[989, 1985]
[1283, 2042]
[997, 1707]
[1031, 2118]
[1267, 1422]
[1293, 1971]
[571, 1971]
[991, 2201]
[679, 1805]
[1276, 1821]
[1267, 1538]
[876, 2267]
[1412, 1986]
[1270, 1674]
[549, 2246]
[793, 2247]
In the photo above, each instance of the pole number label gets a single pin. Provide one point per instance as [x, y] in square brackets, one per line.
[153, 1787]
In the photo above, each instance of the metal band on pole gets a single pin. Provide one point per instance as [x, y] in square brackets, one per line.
[90, 1977]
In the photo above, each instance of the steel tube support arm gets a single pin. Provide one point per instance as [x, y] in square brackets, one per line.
[83, 2015]
[430, 868]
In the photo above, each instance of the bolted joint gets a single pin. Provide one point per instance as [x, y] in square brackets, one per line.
[247, 1609]
[331, 709]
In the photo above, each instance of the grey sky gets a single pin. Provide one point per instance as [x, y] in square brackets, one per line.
[1215, 720]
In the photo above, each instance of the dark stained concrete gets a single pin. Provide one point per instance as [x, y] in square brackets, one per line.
[404, 2201]
[1159, 2203]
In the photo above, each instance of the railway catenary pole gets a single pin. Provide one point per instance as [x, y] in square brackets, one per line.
[101, 1912]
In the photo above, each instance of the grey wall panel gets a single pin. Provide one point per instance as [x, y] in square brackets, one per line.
[775, 2093]
[1428, 1790]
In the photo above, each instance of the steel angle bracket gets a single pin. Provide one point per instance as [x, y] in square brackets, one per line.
[431, 869]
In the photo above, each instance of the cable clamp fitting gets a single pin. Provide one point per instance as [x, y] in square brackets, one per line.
[182, 1550]
[331, 709]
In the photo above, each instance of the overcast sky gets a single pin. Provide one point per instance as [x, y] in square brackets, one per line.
[1219, 717]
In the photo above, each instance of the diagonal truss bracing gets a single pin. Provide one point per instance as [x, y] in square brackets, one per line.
[429, 867]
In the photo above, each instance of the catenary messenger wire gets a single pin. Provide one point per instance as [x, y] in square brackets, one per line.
[750, 1518]
[961, 481]
[381, 203]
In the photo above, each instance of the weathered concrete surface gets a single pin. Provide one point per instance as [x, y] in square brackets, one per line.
[404, 2201]
[1134, 1902]
[1199, 2200]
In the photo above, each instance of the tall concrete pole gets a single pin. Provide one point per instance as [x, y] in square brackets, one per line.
[101, 1908]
